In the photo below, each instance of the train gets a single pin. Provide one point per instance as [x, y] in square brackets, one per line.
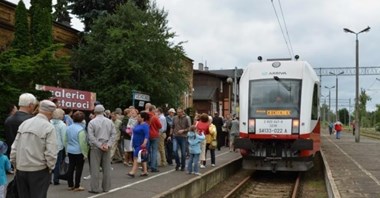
[279, 115]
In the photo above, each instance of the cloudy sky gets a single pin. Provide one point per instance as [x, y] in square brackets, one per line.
[229, 33]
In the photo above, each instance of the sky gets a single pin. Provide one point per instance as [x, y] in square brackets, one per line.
[225, 34]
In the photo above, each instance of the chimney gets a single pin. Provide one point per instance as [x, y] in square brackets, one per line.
[200, 66]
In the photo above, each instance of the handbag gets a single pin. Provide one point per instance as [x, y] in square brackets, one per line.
[142, 156]
[213, 145]
[12, 189]
[64, 168]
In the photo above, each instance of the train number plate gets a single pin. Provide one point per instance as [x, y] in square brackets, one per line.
[274, 126]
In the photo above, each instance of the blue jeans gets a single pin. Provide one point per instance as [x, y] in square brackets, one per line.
[192, 165]
[153, 149]
[179, 143]
[60, 157]
[338, 134]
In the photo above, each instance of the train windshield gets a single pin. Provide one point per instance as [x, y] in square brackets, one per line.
[276, 98]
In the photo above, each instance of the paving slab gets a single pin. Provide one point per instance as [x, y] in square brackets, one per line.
[139, 187]
[354, 167]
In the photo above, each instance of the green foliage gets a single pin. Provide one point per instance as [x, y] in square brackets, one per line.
[61, 14]
[21, 36]
[363, 98]
[134, 54]
[19, 74]
[88, 10]
[377, 126]
[343, 116]
[41, 4]
[46, 4]
[41, 29]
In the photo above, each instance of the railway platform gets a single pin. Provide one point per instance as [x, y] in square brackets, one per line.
[352, 169]
[161, 184]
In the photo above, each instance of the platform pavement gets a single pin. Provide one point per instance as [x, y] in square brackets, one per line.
[139, 187]
[354, 168]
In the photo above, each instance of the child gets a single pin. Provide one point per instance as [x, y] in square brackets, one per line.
[5, 165]
[194, 138]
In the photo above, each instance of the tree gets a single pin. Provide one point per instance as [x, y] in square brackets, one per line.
[61, 14]
[21, 39]
[42, 4]
[41, 28]
[344, 116]
[135, 54]
[363, 98]
[324, 112]
[89, 10]
[19, 74]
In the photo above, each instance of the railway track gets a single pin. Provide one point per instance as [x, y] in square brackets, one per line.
[267, 184]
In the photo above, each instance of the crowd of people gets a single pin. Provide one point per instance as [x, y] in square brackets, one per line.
[43, 137]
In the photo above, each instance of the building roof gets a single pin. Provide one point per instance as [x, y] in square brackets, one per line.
[228, 72]
[208, 72]
[204, 93]
[222, 73]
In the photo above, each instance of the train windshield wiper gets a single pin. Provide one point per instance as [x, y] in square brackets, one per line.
[288, 88]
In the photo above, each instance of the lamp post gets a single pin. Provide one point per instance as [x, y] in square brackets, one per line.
[229, 81]
[235, 90]
[329, 88]
[324, 109]
[357, 127]
[336, 93]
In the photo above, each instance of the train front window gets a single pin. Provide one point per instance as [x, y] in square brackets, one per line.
[274, 98]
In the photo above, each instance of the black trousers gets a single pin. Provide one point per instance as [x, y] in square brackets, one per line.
[212, 152]
[169, 151]
[76, 162]
[221, 139]
[33, 184]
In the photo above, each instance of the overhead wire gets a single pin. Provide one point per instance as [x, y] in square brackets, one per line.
[282, 31]
[286, 28]
[369, 88]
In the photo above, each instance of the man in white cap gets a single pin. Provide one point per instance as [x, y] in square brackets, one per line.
[168, 142]
[101, 133]
[27, 102]
[34, 152]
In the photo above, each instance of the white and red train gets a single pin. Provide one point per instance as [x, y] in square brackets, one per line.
[279, 116]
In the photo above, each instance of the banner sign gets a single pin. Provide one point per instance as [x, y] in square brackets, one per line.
[141, 96]
[71, 98]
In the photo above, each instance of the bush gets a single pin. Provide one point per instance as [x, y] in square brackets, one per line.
[377, 127]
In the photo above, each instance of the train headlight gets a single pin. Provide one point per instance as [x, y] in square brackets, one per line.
[296, 126]
[251, 126]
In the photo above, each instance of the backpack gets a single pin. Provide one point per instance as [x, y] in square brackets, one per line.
[338, 127]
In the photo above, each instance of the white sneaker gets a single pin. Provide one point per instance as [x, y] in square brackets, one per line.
[212, 165]
[87, 178]
[203, 166]
[197, 173]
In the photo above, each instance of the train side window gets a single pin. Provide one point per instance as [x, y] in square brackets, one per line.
[314, 110]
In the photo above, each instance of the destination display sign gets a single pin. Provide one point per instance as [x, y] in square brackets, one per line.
[278, 112]
[274, 112]
[274, 126]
